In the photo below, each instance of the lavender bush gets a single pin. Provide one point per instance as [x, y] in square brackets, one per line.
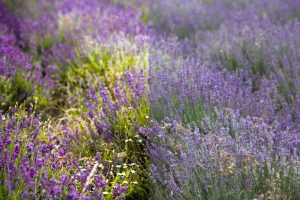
[109, 123]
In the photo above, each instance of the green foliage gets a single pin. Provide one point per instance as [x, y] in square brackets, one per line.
[107, 61]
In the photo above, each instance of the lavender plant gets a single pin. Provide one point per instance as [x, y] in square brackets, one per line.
[109, 123]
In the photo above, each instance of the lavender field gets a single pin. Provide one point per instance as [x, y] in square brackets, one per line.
[150, 99]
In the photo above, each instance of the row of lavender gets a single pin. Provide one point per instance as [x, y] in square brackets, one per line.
[73, 96]
[224, 99]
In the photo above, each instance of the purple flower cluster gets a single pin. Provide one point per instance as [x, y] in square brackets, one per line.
[119, 190]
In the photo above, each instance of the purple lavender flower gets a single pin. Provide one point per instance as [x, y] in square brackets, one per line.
[32, 172]
[100, 182]
[119, 190]
[72, 194]
[29, 147]
[17, 149]
[40, 162]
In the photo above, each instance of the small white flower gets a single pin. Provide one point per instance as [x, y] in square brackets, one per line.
[121, 174]
[132, 171]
